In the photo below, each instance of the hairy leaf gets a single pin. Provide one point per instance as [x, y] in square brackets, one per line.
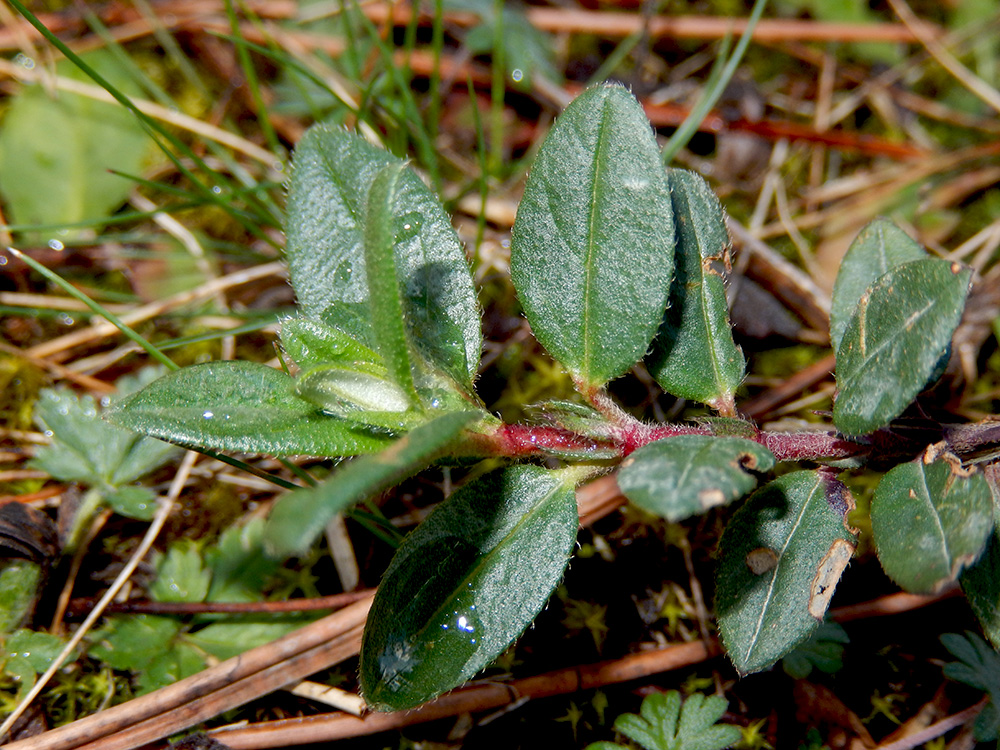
[311, 342]
[240, 406]
[300, 516]
[929, 522]
[879, 247]
[465, 584]
[893, 341]
[592, 246]
[780, 559]
[682, 476]
[328, 227]
[693, 355]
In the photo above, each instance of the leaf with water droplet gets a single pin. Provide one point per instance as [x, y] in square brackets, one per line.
[682, 476]
[332, 215]
[693, 355]
[879, 247]
[929, 522]
[241, 406]
[592, 249]
[299, 517]
[766, 611]
[466, 583]
[311, 342]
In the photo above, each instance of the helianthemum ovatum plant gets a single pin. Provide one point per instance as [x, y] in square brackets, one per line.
[616, 260]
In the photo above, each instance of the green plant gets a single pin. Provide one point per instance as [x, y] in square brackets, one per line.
[663, 723]
[978, 665]
[615, 260]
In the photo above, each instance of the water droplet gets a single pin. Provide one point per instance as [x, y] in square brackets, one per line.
[344, 272]
[3, 260]
[409, 226]
[56, 245]
[464, 624]
[66, 320]
[517, 75]
[49, 433]
[24, 61]
[435, 403]
[208, 414]
[217, 190]
[105, 401]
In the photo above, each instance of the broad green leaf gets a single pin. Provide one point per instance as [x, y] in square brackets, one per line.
[693, 355]
[58, 149]
[929, 522]
[592, 249]
[86, 449]
[893, 341]
[240, 406]
[311, 342]
[20, 584]
[780, 559]
[465, 583]
[299, 517]
[328, 222]
[682, 476]
[879, 247]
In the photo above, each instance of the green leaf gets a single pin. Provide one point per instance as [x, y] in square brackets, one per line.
[663, 724]
[86, 449]
[592, 246]
[893, 341]
[682, 476]
[693, 355]
[238, 564]
[981, 585]
[20, 583]
[878, 248]
[40, 649]
[181, 575]
[130, 643]
[299, 517]
[527, 50]
[352, 393]
[58, 149]
[824, 651]
[240, 406]
[167, 667]
[979, 667]
[311, 342]
[781, 557]
[133, 502]
[929, 522]
[328, 228]
[223, 640]
[465, 583]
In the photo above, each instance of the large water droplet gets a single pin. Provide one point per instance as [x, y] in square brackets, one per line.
[344, 272]
[208, 414]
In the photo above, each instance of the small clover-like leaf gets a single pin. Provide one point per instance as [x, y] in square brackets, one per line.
[663, 723]
[894, 340]
[181, 575]
[780, 559]
[694, 356]
[929, 522]
[879, 247]
[299, 517]
[466, 583]
[592, 249]
[682, 476]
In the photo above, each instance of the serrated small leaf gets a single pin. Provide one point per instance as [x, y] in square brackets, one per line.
[879, 247]
[238, 564]
[240, 406]
[130, 643]
[824, 651]
[682, 476]
[311, 342]
[694, 355]
[224, 640]
[20, 586]
[181, 575]
[592, 246]
[299, 517]
[328, 207]
[893, 341]
[929, 523]
[664, 724]
[133, 502]
[780, 559]
[979, 667]
[466, 583]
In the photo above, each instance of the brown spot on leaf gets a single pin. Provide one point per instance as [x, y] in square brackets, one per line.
[827, 575]
[747, 461]
[711, 498]
[761, 560]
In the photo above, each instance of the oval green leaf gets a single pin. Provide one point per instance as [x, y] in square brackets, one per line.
[694, 355]
[894, 340]
[686, 475]
[240, 406]
[466, 583]
[299, 517]
[310, 342]
[981, 585]
[780, 559]
[328, 220]
[929, 522]
[879, 247]
[592, 246]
